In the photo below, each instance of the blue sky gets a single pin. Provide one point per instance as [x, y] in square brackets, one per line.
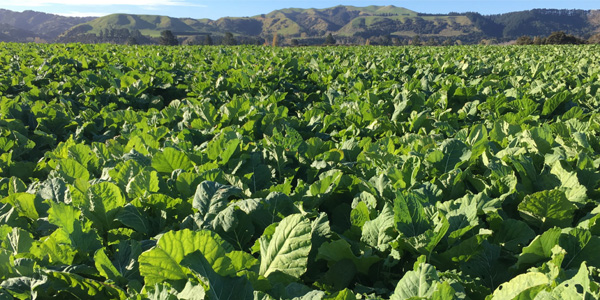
[239, 8]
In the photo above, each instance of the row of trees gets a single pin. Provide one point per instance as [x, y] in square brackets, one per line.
[124, 36]
[109, 36]
[168, 38]
[555, 38]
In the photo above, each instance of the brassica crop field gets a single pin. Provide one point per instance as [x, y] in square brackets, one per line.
[299, 173]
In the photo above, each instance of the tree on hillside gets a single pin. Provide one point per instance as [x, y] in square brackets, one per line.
[132, 41]
[229, 39]
[561, 38]
[136, 34]
[524, 40]
[168, 39]
[416, 41]
[431, 42]
[329, 40]
[208, 40]
[594, 39]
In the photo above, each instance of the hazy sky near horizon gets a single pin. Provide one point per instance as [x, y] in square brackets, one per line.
[239, 8]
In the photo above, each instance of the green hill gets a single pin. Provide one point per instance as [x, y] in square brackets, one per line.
[342, 21]
[147, 24]
[348, 24]
[541, 22]
[9, 33]
[37, 24]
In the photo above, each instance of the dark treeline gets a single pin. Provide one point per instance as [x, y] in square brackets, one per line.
[535, 22]
[555, 38]
[542, 22]
[124, 36]
[109, 36]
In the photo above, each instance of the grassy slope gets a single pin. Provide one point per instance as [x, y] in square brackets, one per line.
[355, 26]
[341, 20]
[147, 24]
[594, 19]
[290, 21]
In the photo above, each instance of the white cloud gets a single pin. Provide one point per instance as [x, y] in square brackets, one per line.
[36, 3]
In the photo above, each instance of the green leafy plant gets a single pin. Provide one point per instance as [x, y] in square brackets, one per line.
[293, 173]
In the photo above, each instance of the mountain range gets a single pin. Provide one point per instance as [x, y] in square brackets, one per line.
[28, 25]
[347, 24]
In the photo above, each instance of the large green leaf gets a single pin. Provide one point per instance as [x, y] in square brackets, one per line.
[223, 147]
[286, 251]
[6, 268]
[56, 248]
[192, 292]
[540, 248]
[444, 291]
[19, 241]
[360, 214]
[71, 170]
[466, 249]
[69, 285]
[575, 191]
[143, 184]
[551, 104]
[478, 140]
[219, 287]
[417, 284]
[539, 139]
[409, 215]
[83, 154]
[123, 172]
[419, 231]
[326, 184]
[64, 216]
[344, 294]
[340, 250]
[187, 182]
[525, 284]
[581, 246]
[105, 266]
[104, 202]
[55, 189]
[581, 286]
[125, 259]
[547, 209]
[28, 205]
[379, 232]
[461, 215]
[454, 152]
[79, 232]
[131, 217]
[211, 198]
[488, 266]
[19, 287]
[234, 225]
[171, 159]
[163, 261]
[513, 235]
